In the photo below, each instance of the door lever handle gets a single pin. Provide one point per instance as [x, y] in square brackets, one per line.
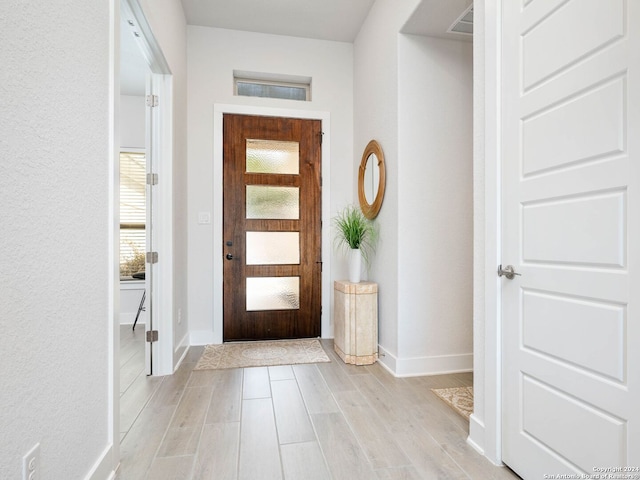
[229, 256]
[507, 271]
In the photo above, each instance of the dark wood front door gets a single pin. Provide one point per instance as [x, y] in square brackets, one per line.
[272, 227]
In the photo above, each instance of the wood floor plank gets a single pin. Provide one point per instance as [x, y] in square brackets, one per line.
[192, 408]
[292, 420]
[281, 372]
[204, 378]
[130, 370]
[226, 400]
[259, 452]
[139, 446]
[217, 457]
[440, 381]
[398, 473]
[180, 441]
[426, 455]
[336, 377]
[131, 342]
[393, 408]
[172, 388]
[465, 377]
[183, 434]
[377, 442]
[345, 459]
[316, 393]
[193, 354]
[453, 439]
[171, 468]
[135, 398]
[256, 383]
[304, 461]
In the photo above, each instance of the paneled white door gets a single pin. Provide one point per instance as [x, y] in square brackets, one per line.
[571, 228]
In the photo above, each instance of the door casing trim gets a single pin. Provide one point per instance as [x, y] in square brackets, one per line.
[485, 426]
[218, 111]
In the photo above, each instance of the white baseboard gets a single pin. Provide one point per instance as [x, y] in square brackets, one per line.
[201, 337]
[418, 366]
[181, 351]
[387, 360]
[103, 468]
[183, 343]
[476, 434]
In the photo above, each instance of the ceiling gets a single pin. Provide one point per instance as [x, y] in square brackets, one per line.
[133, 66]
[337, 20]
[433, 18]
[334, 20]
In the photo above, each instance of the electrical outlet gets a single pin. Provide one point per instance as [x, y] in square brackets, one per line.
[31, 464]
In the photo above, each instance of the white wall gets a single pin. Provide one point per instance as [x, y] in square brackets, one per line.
[376, 117]
[169, 26]
[435, 207]
[130, 295]
[132, 122]
[414, 95]
[213, 56]
[54, 267]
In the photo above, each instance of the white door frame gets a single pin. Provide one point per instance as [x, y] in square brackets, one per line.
[486, 422]
[163, 143]
[218, 111]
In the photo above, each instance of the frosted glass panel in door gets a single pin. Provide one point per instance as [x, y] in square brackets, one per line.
[273, 293]
[275, 203]
[273, 248]
[272, 156]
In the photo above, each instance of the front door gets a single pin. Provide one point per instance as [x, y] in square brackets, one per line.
[571, 228]
[271, 227]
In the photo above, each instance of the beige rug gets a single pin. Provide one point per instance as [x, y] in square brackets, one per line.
[261, 354]
[458, 398]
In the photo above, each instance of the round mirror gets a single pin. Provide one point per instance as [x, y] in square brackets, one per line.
[371, 180]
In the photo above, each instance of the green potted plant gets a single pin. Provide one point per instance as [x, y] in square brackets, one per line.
[356, 234]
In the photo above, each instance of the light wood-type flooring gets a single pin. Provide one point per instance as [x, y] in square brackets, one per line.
[301, 422]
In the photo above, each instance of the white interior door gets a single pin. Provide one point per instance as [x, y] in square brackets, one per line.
[570, 199]
[151, 119]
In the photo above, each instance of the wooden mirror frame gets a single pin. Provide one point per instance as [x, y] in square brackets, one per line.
[371, 210]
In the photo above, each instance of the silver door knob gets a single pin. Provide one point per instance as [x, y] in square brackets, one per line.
[507, 271]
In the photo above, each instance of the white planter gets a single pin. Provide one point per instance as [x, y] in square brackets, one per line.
[355, 265]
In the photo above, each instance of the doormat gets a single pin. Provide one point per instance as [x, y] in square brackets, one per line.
[261, 354]
[458, 398]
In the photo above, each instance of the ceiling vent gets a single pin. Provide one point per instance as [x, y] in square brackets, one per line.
[464, 24]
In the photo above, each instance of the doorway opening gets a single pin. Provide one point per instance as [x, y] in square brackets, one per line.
[142, 144]
[219, 257]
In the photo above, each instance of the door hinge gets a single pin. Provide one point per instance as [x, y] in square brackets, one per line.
[152, 178]
[320, 180]
[321, 135]
[152, 257]
[152, 336]
[152, 100]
